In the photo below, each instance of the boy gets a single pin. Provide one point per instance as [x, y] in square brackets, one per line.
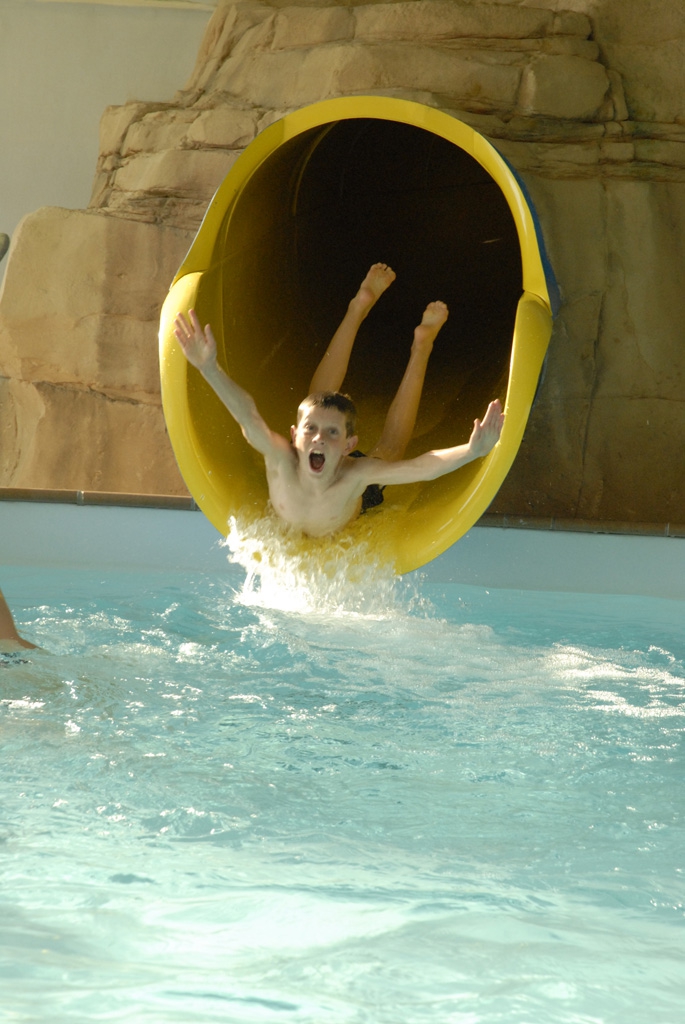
[318, 482]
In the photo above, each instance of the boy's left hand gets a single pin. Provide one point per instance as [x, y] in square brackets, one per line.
[486, 432]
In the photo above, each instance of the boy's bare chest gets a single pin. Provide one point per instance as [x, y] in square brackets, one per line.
[316, 511]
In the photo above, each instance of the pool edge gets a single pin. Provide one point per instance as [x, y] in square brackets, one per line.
[496, 554]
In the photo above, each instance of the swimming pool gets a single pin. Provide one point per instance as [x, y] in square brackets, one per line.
[443, 802]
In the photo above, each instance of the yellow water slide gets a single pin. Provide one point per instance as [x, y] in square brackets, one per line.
[309, 205]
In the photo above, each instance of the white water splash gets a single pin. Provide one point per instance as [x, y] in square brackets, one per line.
[334, 575]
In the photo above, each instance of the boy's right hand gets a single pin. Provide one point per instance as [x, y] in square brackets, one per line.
[199, 346]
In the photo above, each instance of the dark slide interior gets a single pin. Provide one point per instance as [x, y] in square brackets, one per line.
[305, 229]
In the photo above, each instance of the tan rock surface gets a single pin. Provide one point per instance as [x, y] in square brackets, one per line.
[80, 406]
[584, 97]
[563, 86]
[605, 439]
[644, 42]
[74, 439]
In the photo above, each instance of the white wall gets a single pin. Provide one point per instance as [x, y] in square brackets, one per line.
[61, 63]
[35, 534]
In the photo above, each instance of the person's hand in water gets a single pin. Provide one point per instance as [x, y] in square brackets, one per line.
[199, 346]
[486, 432]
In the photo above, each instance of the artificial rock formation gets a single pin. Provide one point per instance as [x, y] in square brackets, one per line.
[582, 96]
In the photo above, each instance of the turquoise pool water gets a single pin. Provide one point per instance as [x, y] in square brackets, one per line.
[439, 804]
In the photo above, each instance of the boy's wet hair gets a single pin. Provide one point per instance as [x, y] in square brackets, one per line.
[331, 400]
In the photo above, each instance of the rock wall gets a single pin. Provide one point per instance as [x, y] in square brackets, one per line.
[582, 96]
[79, 390]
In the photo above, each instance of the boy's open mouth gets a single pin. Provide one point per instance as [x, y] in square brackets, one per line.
[316, 461]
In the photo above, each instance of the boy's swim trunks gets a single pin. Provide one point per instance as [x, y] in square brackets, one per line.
[373, 495]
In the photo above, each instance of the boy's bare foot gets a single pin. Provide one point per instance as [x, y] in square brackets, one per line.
[432, 320]
[379, 277]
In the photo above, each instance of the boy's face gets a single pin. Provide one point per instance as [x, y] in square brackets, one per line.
[321, 440]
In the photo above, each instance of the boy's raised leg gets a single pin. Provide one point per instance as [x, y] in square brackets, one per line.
[330, 373]
[401, 418]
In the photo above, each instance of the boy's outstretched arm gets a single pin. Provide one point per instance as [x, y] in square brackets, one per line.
[431, 465]
[199, 347]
